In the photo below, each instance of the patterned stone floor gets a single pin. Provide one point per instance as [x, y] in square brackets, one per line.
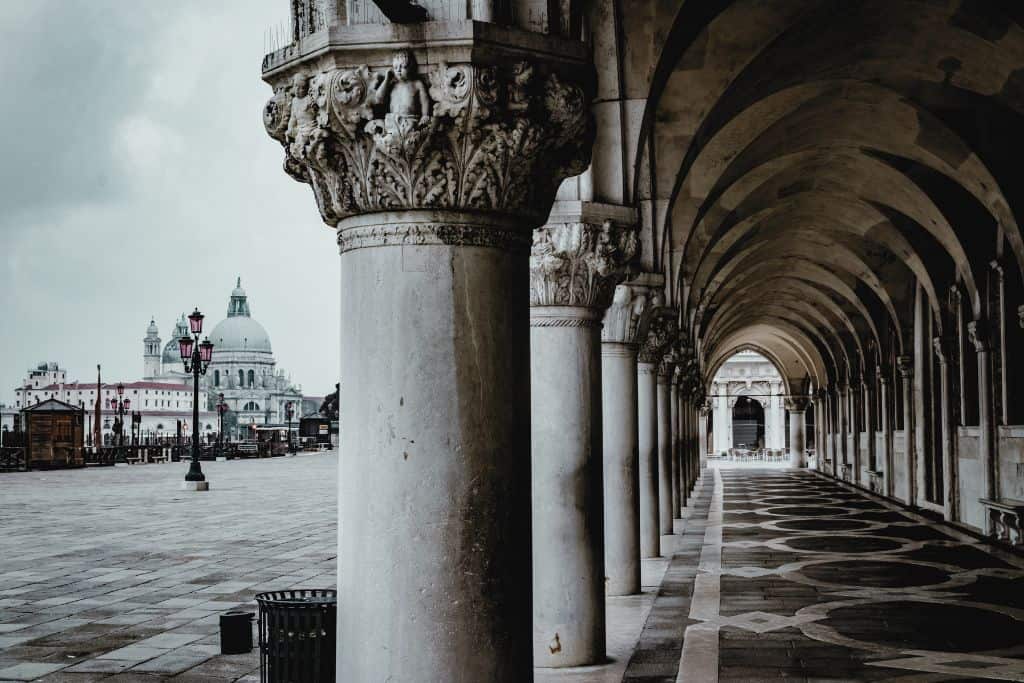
[804, 579]
[116, 575]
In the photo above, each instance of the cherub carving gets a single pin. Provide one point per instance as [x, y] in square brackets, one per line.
[402, 91]
[519, 88]
[302, 121]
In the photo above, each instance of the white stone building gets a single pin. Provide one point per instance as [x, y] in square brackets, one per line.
[243, 367]
[748, 376]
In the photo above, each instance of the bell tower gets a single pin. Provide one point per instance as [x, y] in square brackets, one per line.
[151, 351]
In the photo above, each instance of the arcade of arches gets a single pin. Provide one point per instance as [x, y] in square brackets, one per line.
[558, 219]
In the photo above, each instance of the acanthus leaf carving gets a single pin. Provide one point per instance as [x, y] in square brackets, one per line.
[478, 137]
[579, 264]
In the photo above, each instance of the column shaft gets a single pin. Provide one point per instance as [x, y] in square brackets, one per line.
[675, 449]
[621, 468]
[907, 377]
[568, 533]
[949, 507]
[647, 420]
[796, 438]
[434, 469]
[885, 399]
[664, 455]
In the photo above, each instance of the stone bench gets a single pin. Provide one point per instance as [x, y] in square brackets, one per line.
[1006, 517]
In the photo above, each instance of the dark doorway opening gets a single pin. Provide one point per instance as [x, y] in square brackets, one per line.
[747, 423]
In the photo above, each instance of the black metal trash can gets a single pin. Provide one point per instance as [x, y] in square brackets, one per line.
[297, 632]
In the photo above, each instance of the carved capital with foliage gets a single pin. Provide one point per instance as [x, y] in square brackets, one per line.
[579, 264]
[497, 137]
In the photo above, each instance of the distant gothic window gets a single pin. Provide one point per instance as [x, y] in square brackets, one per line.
[252, 378]
[216, 378]
[252, 406]
[241, 378]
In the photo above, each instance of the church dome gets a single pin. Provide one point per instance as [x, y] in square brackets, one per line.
[171, 358]
[239, 332]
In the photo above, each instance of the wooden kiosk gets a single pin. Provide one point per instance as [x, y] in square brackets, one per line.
[55, 433]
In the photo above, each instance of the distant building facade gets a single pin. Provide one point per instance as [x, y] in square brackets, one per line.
[243, 368]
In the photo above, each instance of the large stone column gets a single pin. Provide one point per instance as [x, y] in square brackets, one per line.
[979, 335]
[666, 370]
[905, 365]
[651, 351]
[620, 427]
[949, 470]
[574, 267]
[434, 183]
[797, 407]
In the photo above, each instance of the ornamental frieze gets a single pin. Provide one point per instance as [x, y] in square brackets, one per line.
[462, 136]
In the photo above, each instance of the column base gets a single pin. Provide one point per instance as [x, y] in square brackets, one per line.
[195, 486]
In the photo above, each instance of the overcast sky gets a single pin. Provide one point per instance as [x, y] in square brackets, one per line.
[136, 180]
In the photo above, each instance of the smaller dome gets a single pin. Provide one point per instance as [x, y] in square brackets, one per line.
[152, 330]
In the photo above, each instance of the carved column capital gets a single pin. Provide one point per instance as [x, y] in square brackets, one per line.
[579, 264]
[942, 346]
[797, 404]
[661, 330]
[1020, 315]
[626, 320]
[905, 365]
[432, 129]
[977, 331]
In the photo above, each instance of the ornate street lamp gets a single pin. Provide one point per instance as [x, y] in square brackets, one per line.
[122, 406]
[289, 410]
[196, 356]
[222, 408]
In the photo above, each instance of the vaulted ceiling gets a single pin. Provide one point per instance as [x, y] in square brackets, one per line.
[809, 164]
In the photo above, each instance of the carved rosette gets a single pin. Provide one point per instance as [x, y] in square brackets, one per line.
[470, 137]
[579, 264]
[660, 331]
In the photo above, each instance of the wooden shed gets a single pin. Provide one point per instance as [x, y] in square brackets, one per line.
[55, 433]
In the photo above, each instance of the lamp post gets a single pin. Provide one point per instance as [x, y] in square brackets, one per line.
[222, 408]
[289, 411]
[121, 405]
[196, 356]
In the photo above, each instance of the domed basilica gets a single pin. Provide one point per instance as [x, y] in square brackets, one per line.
[243, 366]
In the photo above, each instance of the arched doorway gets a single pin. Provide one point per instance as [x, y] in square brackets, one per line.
[748, 423]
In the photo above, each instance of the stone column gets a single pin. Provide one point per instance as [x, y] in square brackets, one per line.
[855, 394]
[869, 422]
[434, 197]
[620, 428]
[702, 436]
[674, 459]
[884, 400]
[905, 365]
[979, 335]
[844, 423]
[656, 326]
[820, 429]
[574, 267]
[665, 372]
[837, 435]
[949, 470]
[797, 431]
